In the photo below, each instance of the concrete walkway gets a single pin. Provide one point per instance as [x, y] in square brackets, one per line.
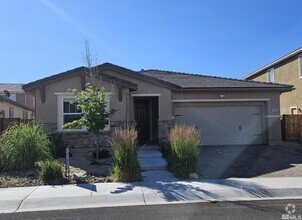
[153, 166]
[147, 193]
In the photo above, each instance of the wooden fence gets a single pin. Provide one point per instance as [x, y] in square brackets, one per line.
[292, 127]
[6, 122]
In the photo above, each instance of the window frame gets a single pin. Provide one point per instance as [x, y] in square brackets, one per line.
[269, 78]
[60, 113]
[25, 115]
[11, 112]
[292, 109]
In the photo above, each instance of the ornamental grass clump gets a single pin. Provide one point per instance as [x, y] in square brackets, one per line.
[50, 170]
[21, 145]
[126, 166]
[184, 141]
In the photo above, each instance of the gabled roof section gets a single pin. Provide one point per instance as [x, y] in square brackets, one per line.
[139, 75]
[272, 64]
[11, 87]
[203, 82]
[168, 79]
[53, 78]
[79, 71]
[101, 67]
[5, 99]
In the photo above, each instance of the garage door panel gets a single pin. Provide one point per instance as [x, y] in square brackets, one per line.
[224, 125]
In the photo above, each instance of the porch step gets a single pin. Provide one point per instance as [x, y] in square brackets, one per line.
[148, 147]
[149, 154]
[151, 160]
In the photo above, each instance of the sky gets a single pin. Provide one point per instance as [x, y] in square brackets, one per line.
[227, 38]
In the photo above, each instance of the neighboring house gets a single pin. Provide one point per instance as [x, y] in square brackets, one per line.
[13, 109]
[16, 93]
[287, 70]
[227, 111]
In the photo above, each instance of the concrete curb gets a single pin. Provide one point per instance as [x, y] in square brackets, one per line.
[61, 197]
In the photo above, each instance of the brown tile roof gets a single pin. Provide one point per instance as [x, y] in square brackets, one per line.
[11, 87]
[173, 80]
[197, 81]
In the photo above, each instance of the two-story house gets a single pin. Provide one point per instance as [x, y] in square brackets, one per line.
[285, 70]
[15, 92]
[15, 103]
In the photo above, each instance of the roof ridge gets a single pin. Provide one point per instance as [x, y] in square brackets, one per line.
[216, 77]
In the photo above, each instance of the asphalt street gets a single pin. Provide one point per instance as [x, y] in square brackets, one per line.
[269, 209]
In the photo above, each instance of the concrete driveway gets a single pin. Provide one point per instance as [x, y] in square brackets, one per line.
[250, 161]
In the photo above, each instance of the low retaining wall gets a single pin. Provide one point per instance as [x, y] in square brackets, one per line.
[84, 139]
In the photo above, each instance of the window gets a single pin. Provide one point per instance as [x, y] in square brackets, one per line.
[11, 113]
[271, 75]
[70, 111]
[300, 65]
[12, 96]
[2, 114]
[67, 111]
[294, 110]
[25, 115]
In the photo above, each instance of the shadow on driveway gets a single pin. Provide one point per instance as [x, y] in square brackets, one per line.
[219, 162]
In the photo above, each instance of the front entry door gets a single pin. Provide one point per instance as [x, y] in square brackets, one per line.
[143, 120]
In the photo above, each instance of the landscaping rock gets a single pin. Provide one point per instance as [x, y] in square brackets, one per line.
[79, 175]
[193, 176]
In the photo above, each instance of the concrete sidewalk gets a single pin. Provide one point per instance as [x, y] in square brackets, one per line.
[147, 193]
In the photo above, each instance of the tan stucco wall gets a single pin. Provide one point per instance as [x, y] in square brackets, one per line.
[18, 111]
[270, 107]
[46, 113]
[286, 72]
[145, 87]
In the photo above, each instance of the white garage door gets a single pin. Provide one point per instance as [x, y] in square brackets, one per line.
[224, 125]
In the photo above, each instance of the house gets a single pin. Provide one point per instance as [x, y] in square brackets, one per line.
[287, 70]
[12, 109]
[15, 92]
[227, 111]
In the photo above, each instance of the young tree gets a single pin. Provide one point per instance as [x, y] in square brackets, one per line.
[93, 101]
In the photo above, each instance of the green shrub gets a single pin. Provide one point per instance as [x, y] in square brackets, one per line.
[50, 170]
[58, 146]
[126, 166]
[165, 148]
[184, 141]
[22, 145]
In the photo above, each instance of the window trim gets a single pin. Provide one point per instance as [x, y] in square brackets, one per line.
[293, 108]
[269, 75]
[11, 112]
[25, 115]
[60, 112]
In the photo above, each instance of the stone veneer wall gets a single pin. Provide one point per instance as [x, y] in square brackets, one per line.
[77, 139]
[164, 129]
[84, 139]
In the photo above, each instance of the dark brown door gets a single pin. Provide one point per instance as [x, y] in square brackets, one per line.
[142, 117]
